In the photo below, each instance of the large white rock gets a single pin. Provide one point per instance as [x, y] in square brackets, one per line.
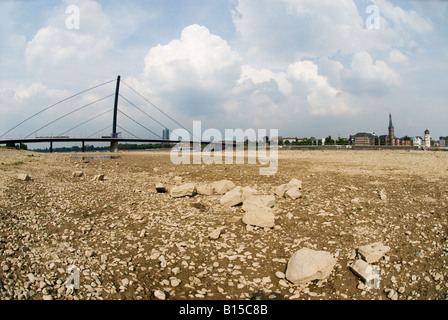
[204, 189]
[373, 252]
[232, 198]
[281, 190]
[223, 186]
[185, 190]
[248, 191]
[306, 265]
[293, 193]
[291, 189]
[362, 269]
[261, 217]
[295, 183]
[258, 201]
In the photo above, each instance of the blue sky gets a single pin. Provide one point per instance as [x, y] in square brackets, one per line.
[306, 68]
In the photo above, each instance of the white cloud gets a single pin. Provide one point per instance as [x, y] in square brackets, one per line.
[367, 76]
[284, 31]
[403, 19]
[323, 99]
[55, 46]
[396, 57]
[258, 76]
[194, 73]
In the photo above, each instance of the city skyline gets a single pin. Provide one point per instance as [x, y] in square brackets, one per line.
[307, 68]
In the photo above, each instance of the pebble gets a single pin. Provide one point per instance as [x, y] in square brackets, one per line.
[160, 295]
[280, 275]
[283, 283]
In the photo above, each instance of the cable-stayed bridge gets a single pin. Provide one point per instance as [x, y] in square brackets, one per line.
[115, 136]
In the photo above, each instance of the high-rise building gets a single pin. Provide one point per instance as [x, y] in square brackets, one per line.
[166, 134]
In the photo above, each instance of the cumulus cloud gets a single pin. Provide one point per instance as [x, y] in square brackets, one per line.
[194, 73]
[56, 46]
[287, 30]
[323, 99]
[369, 77]
[397, 17]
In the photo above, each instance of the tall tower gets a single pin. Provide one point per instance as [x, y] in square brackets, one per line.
[166, 134]
[391, 132]
[427, 139]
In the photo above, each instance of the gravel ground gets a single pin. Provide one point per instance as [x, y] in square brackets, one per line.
[127, 241]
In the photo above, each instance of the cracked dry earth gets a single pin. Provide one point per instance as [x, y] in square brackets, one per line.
[130, 242]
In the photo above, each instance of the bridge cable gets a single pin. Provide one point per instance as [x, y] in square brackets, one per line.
[128, 132]
[143, 111]
[85, 122]
[49, 107]
[158, 109]
[84, 106]
[140, 124]
[100, 131]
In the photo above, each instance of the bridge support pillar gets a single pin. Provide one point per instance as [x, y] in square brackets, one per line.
[83, 146]
[114, 146]
[51, 146]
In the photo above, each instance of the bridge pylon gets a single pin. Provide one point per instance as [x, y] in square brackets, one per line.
[114, 144]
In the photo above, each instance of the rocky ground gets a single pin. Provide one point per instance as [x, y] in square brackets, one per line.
[129, 241]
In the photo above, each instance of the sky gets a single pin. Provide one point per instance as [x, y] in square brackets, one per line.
[304, 67]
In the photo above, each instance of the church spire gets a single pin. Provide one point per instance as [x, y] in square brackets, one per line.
[391, 126]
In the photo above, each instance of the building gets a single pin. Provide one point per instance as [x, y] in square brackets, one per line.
[443, 141]
[363, 139]
[427, 139]
[166, 134]
[290, 140]
[417, 141]
[390, 138]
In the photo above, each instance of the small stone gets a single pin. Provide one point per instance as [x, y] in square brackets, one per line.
[391, 294]
[98, 177]
[160, 295]
[216, 233]
[266, 280]
[23, 177]
[78, 174]
[31, 277]
[280, 275]
[175, 282]
[47, 297]
[373, 252]
[160, 188]
[283, 283]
